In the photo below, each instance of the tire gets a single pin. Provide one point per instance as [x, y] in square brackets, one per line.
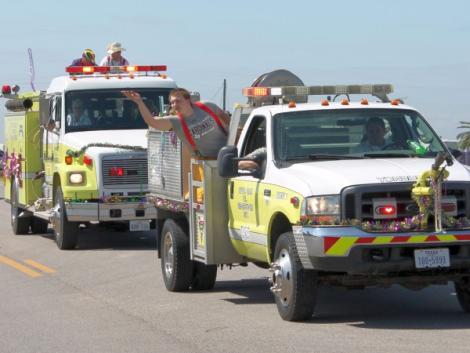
[39, 226]
[177, 268]
[295, 289]
[66, 233]
[204, 276]
[462, 288]
[19, 225]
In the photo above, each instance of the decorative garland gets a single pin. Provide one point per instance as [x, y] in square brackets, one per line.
[82, 150]
[406, 225]
[170, 205]
[13, 168]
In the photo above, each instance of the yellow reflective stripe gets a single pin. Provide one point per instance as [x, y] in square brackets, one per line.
[383, 240]
[447, 237]
[342, 246]
[417, 239]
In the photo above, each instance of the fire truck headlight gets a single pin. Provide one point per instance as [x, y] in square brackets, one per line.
[322, 208]
[76, 178]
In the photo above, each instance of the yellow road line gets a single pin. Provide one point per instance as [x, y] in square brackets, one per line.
[19, 267]
[39, 266]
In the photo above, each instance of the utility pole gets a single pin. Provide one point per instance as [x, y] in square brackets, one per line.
[224, 94]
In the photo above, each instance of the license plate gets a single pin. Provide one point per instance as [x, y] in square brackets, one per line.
[139, 226]
[432, 258]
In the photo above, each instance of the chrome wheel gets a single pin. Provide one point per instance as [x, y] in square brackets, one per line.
[282, 281]
[168, 254]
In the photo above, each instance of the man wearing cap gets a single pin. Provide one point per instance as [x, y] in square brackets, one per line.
[114, 57]
[87, 59]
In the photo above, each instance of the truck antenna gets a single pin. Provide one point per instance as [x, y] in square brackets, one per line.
[31, 69]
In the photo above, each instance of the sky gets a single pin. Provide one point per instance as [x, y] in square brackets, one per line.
[421, 47]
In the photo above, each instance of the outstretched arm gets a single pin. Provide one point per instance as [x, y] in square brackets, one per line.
[157, 123]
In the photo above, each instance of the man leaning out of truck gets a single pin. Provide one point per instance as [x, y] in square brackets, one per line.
[202, 127]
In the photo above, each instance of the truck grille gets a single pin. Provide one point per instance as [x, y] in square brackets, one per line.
[356, 201]
[134, 172]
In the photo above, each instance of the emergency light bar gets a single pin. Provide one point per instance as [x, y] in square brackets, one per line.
[87, 70]
[376, 90]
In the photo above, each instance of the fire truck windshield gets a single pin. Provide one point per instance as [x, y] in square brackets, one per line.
[109, 109]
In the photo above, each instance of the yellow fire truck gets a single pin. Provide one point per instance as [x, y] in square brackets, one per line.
[75, 153]
[343, 194]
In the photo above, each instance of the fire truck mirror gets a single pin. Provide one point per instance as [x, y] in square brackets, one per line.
[227, 162]
[44, 110]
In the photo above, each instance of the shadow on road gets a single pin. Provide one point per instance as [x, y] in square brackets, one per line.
[105, 239]
[433, 308]
[253, 291]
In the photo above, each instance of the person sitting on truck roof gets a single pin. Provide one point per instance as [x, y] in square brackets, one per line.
[78, 116]
[374, 139]
[87, 59]
[202, 127]
[114, 57]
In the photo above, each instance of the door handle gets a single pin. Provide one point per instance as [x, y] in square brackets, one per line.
[231, 189]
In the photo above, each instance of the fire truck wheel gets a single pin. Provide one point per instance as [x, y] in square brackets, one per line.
[177, 268]
[66, 233]
[20, 225]
[204, 276]
[295, 289]
[38, 225]
[462, 288]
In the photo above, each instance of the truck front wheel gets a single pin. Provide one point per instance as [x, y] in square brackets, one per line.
[295, 289]
[66, 233]
[20, 225]
[177, 268]
[462, 288]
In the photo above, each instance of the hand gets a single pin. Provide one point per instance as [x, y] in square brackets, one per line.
[133, 96]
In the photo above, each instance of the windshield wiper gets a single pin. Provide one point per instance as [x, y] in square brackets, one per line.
[324, 157]
[389, 155]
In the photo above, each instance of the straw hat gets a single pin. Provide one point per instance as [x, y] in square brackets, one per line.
[115, 47]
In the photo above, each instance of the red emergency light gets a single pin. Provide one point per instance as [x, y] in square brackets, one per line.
[6, 89]
[116, 171]
[87, 70]
[87, 160]
[386, 210]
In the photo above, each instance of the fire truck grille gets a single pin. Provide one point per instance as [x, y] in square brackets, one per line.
[357, 201]
[125, 172]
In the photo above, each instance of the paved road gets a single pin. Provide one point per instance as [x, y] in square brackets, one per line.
[108, 296]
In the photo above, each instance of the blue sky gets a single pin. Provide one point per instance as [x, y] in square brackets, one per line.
[421, 47]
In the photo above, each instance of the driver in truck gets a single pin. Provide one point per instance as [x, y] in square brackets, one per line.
[374, 139]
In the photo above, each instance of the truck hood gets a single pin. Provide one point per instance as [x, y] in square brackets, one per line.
[134, 138]
[330, 177]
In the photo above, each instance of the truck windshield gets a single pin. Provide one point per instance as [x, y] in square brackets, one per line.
[109, 109]
[367, 133]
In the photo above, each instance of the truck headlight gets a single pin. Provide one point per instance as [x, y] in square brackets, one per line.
[322, 209]
[76, 178]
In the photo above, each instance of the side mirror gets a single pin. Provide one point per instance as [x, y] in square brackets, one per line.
[227, 162]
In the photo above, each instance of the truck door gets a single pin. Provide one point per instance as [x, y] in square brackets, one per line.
[244, 220]
[52, 137]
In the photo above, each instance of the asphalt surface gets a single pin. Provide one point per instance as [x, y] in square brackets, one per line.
[108, 296]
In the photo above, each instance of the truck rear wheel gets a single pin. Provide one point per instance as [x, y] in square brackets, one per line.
[295, 289]
[66, 233]
[177, 268]
[19, 225]
[462, 288]
[204, 276]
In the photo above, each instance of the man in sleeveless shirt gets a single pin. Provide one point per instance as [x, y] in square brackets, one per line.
[202, 127]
